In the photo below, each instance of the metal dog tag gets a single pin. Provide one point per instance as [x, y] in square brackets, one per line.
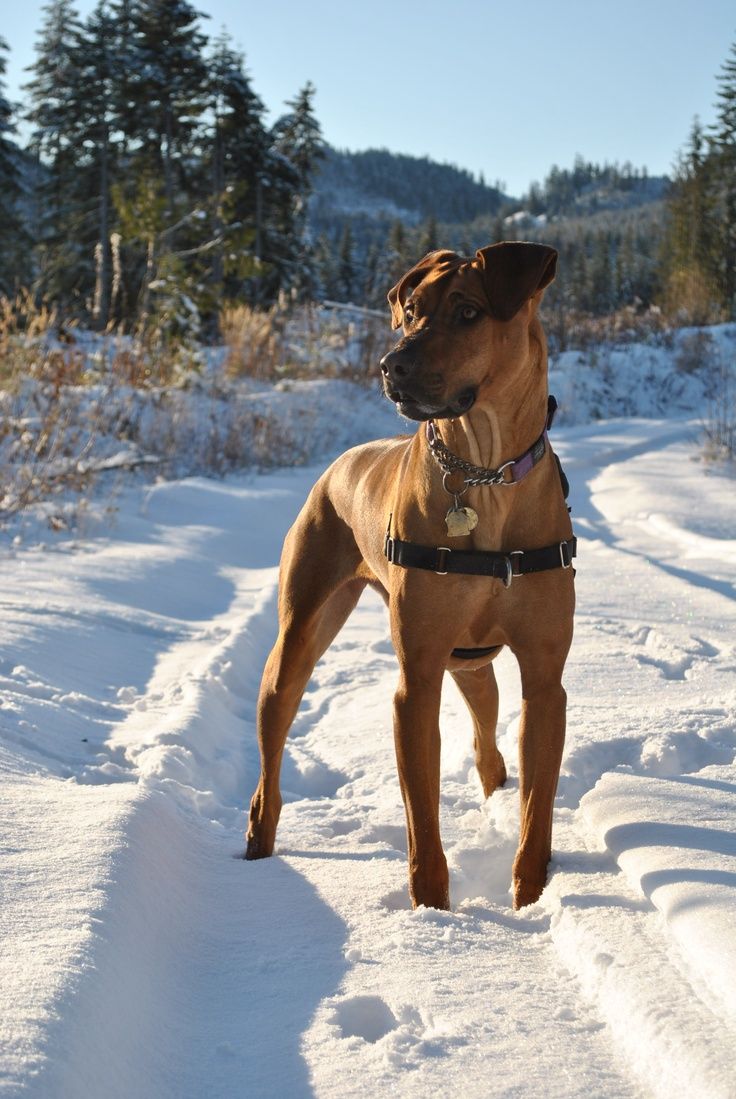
[460, 521]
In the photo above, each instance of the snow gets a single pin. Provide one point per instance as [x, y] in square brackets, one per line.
[142, 957]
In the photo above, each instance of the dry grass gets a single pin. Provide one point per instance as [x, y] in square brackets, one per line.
[253, 339]
[74, 405]
[303, 342]
[570, 330]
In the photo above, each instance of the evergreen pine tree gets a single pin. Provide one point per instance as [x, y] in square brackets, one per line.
[238, 148]
[372, 269]
[297, 149]
[498, 231]
[692, 244]
[578, 279]
[346, 265]
[428, 241]
[125, 50]
[94, 93]
[13, 239]
[601, 276]
[297, 135]
[399, 254]
[325, 268]
[724, 145]
[168, 92]
[160, 101]
[53, 113]
[625, 270]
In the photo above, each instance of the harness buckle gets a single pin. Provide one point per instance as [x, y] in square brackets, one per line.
[565, 555]
[388, 548]
[442, 554]
[500, 479]
[511, 572]
[516, 553]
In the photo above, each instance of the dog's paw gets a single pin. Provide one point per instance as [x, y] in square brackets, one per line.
[255, 848]
[527, 891]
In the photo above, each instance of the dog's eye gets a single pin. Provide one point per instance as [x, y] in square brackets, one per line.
[408, 313]
[467, 313]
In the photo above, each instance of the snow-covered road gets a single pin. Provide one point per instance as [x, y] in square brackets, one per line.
[143, 959]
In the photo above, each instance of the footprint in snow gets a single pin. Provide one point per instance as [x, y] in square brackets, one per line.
[672, 660]
[342, 827]
[397, 900]
[306, 777]
[366, 1017]
[392, 834]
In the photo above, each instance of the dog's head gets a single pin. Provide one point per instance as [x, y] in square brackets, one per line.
[466, 326]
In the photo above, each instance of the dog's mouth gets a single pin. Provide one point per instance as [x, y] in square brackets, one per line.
[413, 408]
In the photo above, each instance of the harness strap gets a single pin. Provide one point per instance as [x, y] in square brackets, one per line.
[476, 654]
[503, 566]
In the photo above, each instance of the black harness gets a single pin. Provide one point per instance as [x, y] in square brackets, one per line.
[443, 560]
[503, 566]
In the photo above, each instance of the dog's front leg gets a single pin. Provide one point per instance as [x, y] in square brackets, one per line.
[417, 737]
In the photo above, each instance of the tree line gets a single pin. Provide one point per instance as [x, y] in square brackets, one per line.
[151, 191]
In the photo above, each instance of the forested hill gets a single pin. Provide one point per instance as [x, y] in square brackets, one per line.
[376, 182]
[588, 188]
[374, 213]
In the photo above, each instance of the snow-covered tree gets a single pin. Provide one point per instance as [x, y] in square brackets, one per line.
[297, 135]
[297, 149]
[95, 91]
[167, 90]
[236, 153]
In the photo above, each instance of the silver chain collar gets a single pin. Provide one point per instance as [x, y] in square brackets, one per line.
[453, 463]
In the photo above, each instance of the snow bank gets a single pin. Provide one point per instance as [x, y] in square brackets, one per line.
[675, 840]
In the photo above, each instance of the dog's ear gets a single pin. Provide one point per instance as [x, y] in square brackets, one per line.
[398, 294]
[513, 272]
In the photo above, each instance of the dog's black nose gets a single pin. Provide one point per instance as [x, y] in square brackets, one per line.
[394, 366]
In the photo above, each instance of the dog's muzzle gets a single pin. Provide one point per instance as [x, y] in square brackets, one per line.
[412, 401]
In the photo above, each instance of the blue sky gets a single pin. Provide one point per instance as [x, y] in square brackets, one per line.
[507, 90]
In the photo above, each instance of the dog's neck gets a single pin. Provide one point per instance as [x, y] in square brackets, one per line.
[490, 435]
[508, 417]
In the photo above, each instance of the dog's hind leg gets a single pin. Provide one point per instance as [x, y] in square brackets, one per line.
[480, 692]
[541, 741]
[318, 589]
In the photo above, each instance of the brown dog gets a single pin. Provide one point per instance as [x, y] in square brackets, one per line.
[477, 554]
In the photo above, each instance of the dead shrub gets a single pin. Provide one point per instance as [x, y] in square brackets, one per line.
[695, 351]
[719, 429]
[253, 338]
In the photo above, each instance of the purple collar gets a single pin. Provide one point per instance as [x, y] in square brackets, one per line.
[479, 475]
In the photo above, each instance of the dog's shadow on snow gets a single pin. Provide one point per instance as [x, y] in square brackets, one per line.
[294, 962]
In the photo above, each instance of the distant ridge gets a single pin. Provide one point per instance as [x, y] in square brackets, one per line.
[385, 186]
[382, 186]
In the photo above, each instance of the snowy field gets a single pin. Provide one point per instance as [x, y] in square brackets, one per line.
[143, 959]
